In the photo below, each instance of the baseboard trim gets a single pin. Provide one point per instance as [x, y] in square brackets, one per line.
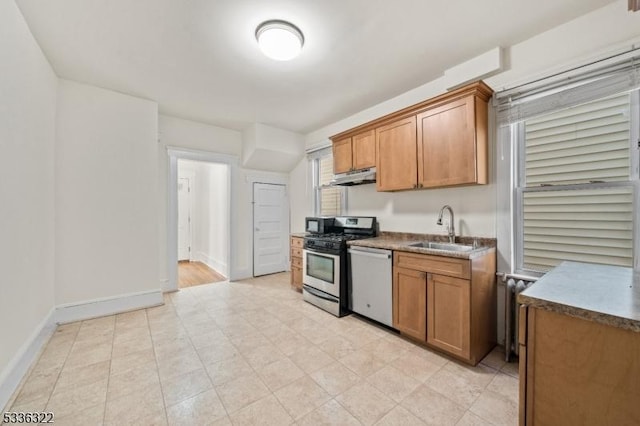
[220, 267]
[107, 306]
[16, 370]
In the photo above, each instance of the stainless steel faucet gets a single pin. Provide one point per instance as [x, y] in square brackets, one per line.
[451, 230]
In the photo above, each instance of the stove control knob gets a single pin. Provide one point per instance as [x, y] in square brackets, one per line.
[327, 244]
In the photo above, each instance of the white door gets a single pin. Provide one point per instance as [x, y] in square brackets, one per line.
[270, 228]
[184, 219]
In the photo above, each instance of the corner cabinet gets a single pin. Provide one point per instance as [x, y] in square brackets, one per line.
[447, 303]
[296, 263]
[354, 152]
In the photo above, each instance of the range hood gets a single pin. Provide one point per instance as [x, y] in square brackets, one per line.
[358, 177]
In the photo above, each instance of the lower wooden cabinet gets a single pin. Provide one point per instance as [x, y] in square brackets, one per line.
[448, 314]
[296, 262]
[576, 372]
[448, 303]
[410, 302]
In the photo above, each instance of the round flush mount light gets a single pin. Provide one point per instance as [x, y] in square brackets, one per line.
[279, 40]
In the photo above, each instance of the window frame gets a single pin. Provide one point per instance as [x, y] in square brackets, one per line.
[317, 188]
[517, 132]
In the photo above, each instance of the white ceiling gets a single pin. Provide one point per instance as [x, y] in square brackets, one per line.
[198, 58]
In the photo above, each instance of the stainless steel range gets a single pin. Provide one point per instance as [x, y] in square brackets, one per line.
[324, 262]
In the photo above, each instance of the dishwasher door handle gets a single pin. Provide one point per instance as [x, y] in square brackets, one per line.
[369, 254]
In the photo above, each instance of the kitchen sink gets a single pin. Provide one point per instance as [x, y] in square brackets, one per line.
[442, 246]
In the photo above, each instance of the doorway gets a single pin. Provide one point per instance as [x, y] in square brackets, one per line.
[270, 228]
[202, 222]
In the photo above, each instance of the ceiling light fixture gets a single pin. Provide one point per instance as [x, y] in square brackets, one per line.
[279, 40]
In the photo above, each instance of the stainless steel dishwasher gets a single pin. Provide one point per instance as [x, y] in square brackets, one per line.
[371, 288]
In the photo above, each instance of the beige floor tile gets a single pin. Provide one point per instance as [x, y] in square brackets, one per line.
[263, 355]
[511, 368]
[330, 414]
[495, 358]
[249, 342]
[266, 411]
[92, 416]
[73, 400]
[337, 346]
[185, 386]
[505, 385]
[302, 396]
[318, 334]
[241, 392]
[311, 359]
[229, 369]
[133, 360]
[90, 355]
[217, 352]
[134, 380]
[170, 347]
[39, 385]
[460, 384]
[202, 409]
[361, 336]
[126, 347]
[384, 349]
[430, 355]
[335, 378]
[34, 406]
[279, 374]
[470, 419]
[400, 416]
[366, 403]
[393, 383]
[144, 407]
[496, 408]
[291, 344]
[209, 338]
[362, 363]
[432, 407]
[74, 377]
[420, 368]
[131, 333]
[178, 365]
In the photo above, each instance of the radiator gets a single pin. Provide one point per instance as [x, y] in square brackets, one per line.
[513, 287]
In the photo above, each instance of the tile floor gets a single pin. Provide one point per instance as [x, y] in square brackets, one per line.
[252, 352]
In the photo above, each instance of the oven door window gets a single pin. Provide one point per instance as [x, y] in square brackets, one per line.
[321, 267]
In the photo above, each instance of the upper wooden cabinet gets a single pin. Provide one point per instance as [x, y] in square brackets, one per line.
[396, 167]
[354, 152]
[452, 144]
[439, 142]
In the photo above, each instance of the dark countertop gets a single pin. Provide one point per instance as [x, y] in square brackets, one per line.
[400, 241]
[605, 294]
[299, 234]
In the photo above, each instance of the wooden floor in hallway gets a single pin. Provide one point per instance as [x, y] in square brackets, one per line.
[196, 273]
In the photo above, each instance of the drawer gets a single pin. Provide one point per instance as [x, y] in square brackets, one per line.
[449, 266]
[296, 252]
[296, 242]
[296, 261]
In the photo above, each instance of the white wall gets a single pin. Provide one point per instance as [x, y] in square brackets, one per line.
[27, 129]
[301, 196]
[106, 194]
[271, 149]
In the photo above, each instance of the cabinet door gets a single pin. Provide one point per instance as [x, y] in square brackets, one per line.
[364, 150]
[410, 302]
[396, 155]
[342, 156]
[296, 277]
[449, 314]
[447, 145]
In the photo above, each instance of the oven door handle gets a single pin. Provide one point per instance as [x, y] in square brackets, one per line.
[319, 294]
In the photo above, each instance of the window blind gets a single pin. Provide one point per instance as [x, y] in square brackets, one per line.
[329, 195]
[588, 225]
[585, 143]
